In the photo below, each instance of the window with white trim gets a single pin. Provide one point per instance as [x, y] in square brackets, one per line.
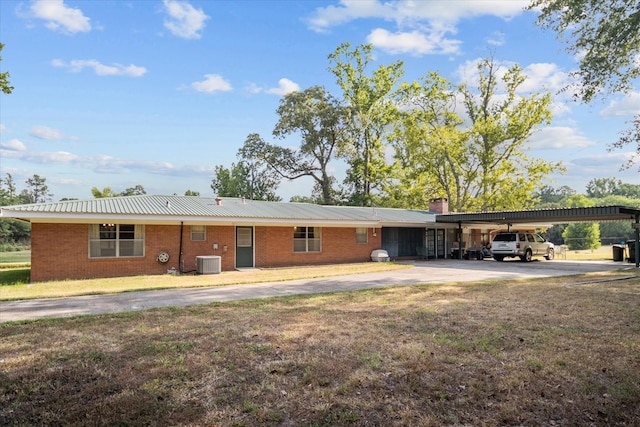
[362, 235]
[116, 240]
[306, 239]
[198, 233]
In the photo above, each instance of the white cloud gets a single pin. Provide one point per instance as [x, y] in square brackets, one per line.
[13, 145]
[559, 137]
[60, 17]
[421, 26]
[628, 106]
[47, 158]
[603, 165]
[253, 89]
[184, 20]
[103, 164]
[285, 86]
[496, 39]
[408, 12]
[414, 42]
[211, 84]
[100, 69]
[43, 132]
[544, 77]
[3, 128]
[540, 78]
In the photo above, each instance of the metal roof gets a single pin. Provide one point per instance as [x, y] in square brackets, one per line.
[194, 210]
[545, 216]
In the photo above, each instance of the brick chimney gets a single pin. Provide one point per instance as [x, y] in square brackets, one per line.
[439, 205]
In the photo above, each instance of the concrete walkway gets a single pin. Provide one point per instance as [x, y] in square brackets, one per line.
[439, 271]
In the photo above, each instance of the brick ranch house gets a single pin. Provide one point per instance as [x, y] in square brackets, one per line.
[135, 235]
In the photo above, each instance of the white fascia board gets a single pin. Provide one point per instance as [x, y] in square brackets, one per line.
[42, 217]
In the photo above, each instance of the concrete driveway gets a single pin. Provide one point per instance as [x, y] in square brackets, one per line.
[438, 271]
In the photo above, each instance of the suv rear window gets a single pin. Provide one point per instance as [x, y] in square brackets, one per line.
[506, 237]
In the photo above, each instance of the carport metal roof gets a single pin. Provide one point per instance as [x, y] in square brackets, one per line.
[545, 216]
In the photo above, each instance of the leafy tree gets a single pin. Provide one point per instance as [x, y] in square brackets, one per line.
[250, 177]
[191, 193]
[551, 197]
[104, 193]
[581, 235]
[368, 99]
[228, 182]
[261, 180]
[429, 147]
[615, 232]
[8, 194]
[37, 190]
[602, 187]
[629, 136]
[629, 190]
[612, 232]
[554, 233]
[605, 37]
[505, 177]
[482, 167]
[138, 190]
[320, 120]
[303, 199]
[5, 86]
[13, 231]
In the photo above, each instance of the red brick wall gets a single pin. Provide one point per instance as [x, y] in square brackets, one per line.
[61, 251]
[274, 247]
[223, 236]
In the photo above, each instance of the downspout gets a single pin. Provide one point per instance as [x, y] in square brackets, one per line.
[180, 252]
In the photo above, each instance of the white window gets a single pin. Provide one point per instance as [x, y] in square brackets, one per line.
[306, 239]
[198, 233]
[116, 240]
[244, 237]
[362, 235]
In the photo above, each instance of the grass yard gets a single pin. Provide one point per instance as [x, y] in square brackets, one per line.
[14, 283]
[558, 352]
[15, 257]
[15, 273]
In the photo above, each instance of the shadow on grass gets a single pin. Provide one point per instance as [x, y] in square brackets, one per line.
[15, 276]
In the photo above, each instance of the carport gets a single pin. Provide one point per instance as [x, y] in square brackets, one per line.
[548, 216]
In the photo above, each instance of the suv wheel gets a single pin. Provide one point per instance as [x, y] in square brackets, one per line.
[550, 255]
[527, 256]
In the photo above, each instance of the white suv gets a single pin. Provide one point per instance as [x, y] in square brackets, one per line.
[523, 245]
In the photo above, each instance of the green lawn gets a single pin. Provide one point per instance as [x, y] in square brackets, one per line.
[558, 352]
[15, 257]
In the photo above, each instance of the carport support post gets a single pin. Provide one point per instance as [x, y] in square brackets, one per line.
[460, 240]
[637, 241]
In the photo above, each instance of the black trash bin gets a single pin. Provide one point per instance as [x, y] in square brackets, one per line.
[618, 253]
[631, 246]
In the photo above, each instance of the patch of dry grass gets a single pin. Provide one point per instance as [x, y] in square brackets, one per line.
[601, 253]
[560, 351]
[66, 288]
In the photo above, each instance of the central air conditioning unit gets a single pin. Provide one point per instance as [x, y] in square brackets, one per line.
[208, 264]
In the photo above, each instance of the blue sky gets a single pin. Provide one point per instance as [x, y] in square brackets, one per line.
[157, 93]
